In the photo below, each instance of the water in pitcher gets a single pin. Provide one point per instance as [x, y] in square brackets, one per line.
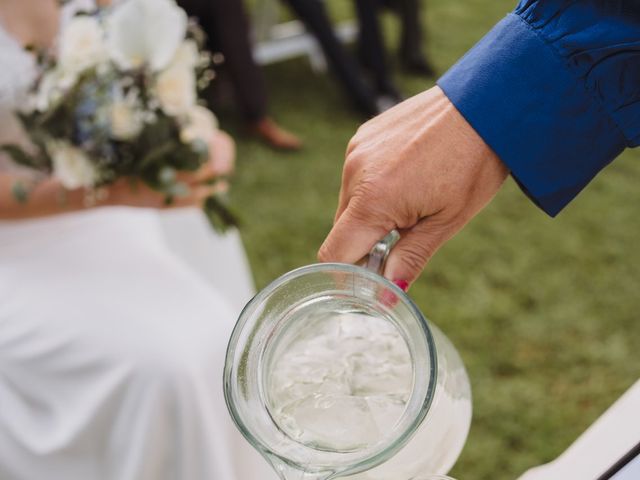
[342, 381]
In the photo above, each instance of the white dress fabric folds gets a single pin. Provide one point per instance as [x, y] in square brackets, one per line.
[112, 340]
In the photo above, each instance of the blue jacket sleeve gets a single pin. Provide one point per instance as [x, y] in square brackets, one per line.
[554, 90]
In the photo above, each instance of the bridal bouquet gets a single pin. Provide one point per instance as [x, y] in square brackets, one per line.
[120, 100]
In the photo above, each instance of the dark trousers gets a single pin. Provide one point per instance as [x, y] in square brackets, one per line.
[371, 47]
[226, 24]
[314, 15]
[409, 12]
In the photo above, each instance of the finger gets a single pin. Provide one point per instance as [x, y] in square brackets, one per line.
[351, 175]
[202, 192]
[207, 171]
[346, 182]
[195, 198]
[353, 236]
[221, 187]
[193, 177]
[222, 151]
[343, 202]
[204, 173]
[414, 249]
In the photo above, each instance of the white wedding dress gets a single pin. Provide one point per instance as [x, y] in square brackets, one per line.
[113, 329]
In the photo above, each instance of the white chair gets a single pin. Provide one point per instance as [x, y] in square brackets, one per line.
[277, 41]
[605, 442]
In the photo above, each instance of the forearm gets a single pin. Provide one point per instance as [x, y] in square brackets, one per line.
[47, 198]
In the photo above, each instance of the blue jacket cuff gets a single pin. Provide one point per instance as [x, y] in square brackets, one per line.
[526, 103]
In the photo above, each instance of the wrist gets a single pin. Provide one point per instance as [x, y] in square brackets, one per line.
[464, 136]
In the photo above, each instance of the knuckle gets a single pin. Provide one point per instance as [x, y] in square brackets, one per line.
[351, 146]
[370, 213]
[359, 215]
[365, 190]
[325, 253]
[351, 167]
[354, 162]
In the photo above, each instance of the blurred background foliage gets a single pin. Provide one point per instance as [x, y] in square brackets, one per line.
[544, 311]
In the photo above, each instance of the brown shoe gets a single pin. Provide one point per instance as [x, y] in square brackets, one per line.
[275, 136]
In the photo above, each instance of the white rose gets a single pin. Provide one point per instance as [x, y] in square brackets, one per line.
[54, 84]
[81, 44]
[187, 55]
[71, 166]
[48, 92]
[126, 121]
[200, 124]
[143, 32]
[176, 90]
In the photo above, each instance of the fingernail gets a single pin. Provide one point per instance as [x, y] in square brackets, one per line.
[403, 284]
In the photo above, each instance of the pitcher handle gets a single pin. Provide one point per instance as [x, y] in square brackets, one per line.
[380, 251]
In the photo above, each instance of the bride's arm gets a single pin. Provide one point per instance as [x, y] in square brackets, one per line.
[50, 198]
[45, 199]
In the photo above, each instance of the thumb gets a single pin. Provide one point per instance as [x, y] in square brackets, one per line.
[414, 249]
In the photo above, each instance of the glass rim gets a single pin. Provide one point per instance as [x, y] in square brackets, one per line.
[393, 444]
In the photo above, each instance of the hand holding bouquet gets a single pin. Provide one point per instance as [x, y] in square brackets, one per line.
[119, 104]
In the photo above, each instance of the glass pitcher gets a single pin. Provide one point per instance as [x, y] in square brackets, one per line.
[427, 435]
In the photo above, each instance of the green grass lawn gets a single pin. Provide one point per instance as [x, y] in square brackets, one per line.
[544, 312]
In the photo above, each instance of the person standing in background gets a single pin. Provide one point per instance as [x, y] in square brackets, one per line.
[227, 27]
[371, 49]
[314, 15]
[381, 93]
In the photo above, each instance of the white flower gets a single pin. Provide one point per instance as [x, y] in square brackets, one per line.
[126, 122]
[187, 55]
[71, 166]
[81, 44]
[54, 84]
[176, 90]
[47, 93]
[201, 124]
[143, 32]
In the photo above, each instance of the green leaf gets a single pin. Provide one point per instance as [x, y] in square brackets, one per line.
[219, 214]
[29, 121]
[20, 156]
[155, 154]
[20, 192]
[171, 191]
[167, 175]
[200, 148]
[177, 189]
